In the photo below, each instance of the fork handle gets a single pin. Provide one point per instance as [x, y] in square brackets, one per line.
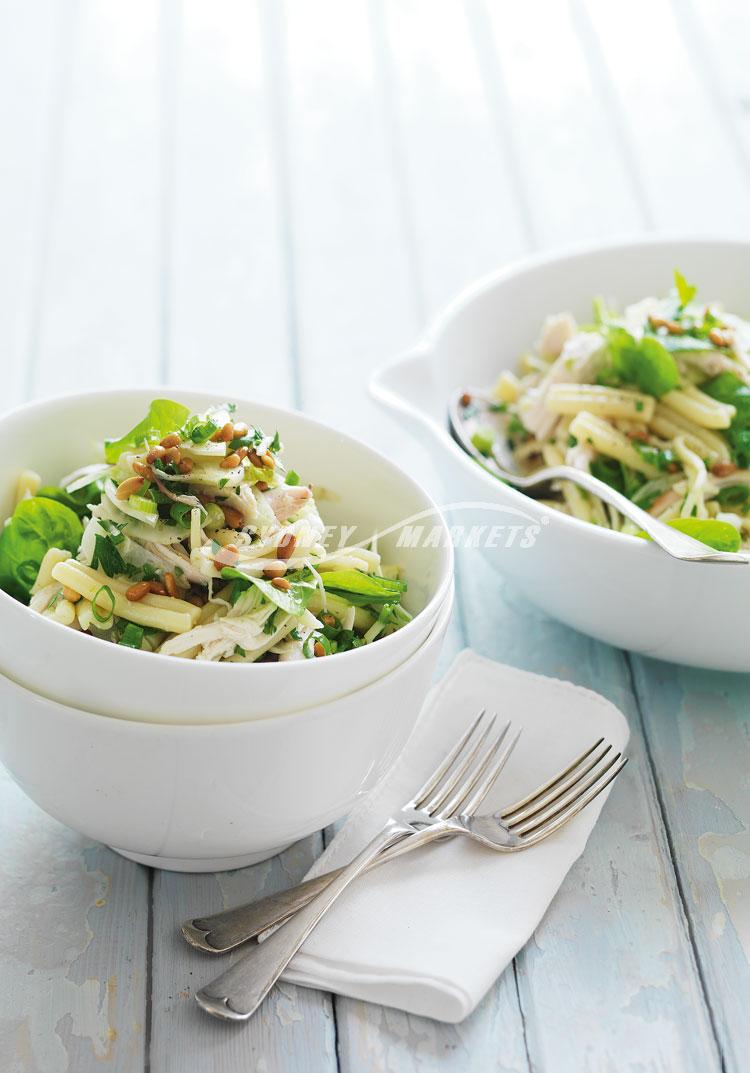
[237, 993]
[224, 931]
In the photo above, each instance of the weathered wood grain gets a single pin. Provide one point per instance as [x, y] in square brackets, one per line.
[270, 198]
[551, 979]
[72, 947]
[662, 103]
[97, 313]
[293, 1031]
[226, 311]
[228, 245]
[613, 955]
[37, 30]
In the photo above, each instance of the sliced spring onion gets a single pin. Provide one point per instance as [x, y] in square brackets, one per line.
[110, 596]
[132, 636]
[144, 505]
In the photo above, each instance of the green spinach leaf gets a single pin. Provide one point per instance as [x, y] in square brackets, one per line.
[37, 525]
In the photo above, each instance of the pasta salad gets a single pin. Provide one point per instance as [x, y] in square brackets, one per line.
[191, 538]
[654, 400]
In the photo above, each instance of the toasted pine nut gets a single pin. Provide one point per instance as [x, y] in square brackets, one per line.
[672, 326]
[142, 469]
[723, 469]
[262, 486]
[129, 487]
[233, 517]
[138, 591]
[240, 429]
[172, 440]
[71, 595]
[170, 584]
[224, 434]
[196, 599]
[638, 434]
[718, 337]
[228, 556]
[274, 572]
[172, 454]
[156, 452]
[231, 461]
[268, 460]
[157, 588]
[241, 453]
[255, 458]
[281, 583]
[465, 399]
[286, 546]
[185, 465]
[318, 649]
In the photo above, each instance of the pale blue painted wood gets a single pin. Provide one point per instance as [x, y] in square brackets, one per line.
[33, 29]
[226, 242]
[610, 971]
[505, 631]
[72, 947]
[698, 728]
[355, 218]
[293, 1031]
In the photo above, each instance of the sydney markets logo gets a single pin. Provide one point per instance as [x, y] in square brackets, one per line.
[506, 527]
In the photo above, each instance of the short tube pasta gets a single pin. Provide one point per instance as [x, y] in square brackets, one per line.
[606, 439]
[698, 407]
[600, 401]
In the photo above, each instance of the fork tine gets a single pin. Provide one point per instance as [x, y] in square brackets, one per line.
[541, 804]
[456, 777]
[578, 805]
[527, 826]
[488, 780]
[552, 782]
[445, 765]
[451, 805]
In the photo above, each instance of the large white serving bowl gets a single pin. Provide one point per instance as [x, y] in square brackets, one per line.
[615, 587]
[206, 798]
[360, 488]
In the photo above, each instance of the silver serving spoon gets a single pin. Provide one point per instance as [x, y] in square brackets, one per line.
[671, 540]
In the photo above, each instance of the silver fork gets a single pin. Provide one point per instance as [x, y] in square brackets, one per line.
[237, 993]
[460, 782]
[225, 931]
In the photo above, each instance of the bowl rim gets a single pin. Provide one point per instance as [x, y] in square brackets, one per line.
[466, 296]
[432, 607]
[146, 726]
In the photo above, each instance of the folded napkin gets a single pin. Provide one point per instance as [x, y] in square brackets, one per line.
[430, 932]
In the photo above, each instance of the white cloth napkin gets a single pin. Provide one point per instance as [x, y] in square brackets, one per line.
[430, 932]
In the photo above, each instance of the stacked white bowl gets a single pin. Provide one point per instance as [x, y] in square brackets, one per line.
[198, 766]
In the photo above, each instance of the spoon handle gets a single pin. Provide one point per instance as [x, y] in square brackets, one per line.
[676, 543]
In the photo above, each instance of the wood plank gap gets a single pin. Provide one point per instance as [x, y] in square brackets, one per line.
[690, 25]
[384, 81]
[490, 69]
[276, 80]
[522, 1013]
[663, 814]
[169, 57]
[67, 17]
[148, 1019]
[601, 80]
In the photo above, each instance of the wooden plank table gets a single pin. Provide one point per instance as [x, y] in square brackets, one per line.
[268, 197]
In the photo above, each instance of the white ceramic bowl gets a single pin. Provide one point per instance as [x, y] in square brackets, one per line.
[206, 798]
[365, 489]
[615, 587]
